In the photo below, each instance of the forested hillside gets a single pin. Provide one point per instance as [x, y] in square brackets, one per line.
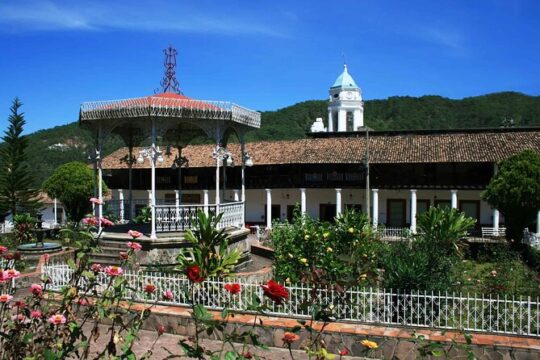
[51, 147]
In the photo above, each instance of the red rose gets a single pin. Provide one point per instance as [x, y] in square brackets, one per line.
[247, 355]
[161, 330]
[344, 352]
[193, 273]
[275, 291]
[233, 288]
[150, 288]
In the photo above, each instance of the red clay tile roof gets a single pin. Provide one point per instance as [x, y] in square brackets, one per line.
[488, 146]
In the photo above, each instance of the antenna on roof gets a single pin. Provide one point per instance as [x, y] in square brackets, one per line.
[344, 56]
[169, 83]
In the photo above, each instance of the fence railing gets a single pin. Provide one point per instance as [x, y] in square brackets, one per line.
[394, 232]
[499, 314]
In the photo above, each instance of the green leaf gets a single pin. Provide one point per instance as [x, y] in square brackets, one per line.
[230, 355]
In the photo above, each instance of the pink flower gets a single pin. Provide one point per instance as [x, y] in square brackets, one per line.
[124, 255]
[106, 222]
[82, 302]
[5, 298]
[12, 273]
[3, 249]
[36, 314]
[114, 271]
[168, 295]
[57, 319]
[90, 221]
[36, 290]
[134, 234]
[96, 201]
[133, 245]
[494, 273]
[18, 317]
[3, 276]
[96, 268]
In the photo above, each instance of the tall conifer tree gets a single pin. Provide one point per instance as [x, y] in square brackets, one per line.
[17, 194]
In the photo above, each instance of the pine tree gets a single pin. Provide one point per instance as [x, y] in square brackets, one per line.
[16, 192]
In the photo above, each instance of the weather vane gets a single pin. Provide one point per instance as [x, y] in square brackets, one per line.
[170, 83]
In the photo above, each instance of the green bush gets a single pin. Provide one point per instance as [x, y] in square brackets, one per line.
[344, 252]
[425, 262]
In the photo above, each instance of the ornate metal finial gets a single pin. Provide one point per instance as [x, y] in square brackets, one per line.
[169, 82]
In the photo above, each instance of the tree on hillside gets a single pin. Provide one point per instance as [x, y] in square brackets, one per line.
[17, 193]
[73, 185]
[515, 191]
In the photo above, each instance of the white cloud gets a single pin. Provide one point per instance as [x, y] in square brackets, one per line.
[87, 16]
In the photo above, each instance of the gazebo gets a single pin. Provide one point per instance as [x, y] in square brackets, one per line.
[174, 118]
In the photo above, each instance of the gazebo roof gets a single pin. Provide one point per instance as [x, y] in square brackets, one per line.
[168, 105]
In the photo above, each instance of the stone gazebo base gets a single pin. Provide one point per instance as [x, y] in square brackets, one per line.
[163, 250]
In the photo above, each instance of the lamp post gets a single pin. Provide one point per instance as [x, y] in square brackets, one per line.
[178, 162]
[153, 153]
[95, 158]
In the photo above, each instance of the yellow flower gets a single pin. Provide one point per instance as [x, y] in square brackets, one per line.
[329, 249]
[303, 261]
[291, 255]
[369, 344]
[287, 280]
[363, 277]
[306, 237]
[351, 230]
[326, 235]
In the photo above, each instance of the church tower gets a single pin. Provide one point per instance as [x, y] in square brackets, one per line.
[346, 108]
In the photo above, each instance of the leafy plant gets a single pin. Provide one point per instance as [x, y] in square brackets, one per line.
[210, 250]
[144, 216]
[24, 224]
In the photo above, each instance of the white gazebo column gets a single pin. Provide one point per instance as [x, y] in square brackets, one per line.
[375, 217]
[177, 203]
[454, 203]
[495, 211]
[268, 208]
[217, 184]
[338, 202]
[121, 204]
[303, 200]
[413, 211]
[342, 120]
[236, 193]
[496, 220]
[149, 197]
[55, 222]
[153, 156]
[538, 223]
[205, 201]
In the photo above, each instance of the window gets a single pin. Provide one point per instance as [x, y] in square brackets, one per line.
[191, 179]
[163, 179]
[334, 176]
[395, 213]
[312, 177]
[350, 123]
[353, 177]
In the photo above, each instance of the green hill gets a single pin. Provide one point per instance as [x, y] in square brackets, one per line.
[52, 147]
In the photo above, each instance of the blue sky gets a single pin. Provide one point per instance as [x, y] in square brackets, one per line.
[261, 54]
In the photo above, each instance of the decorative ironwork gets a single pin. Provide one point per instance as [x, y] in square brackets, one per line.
[170, 84]
[169, 108]
[423, 309]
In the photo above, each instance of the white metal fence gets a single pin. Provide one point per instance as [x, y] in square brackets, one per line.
[506, 314]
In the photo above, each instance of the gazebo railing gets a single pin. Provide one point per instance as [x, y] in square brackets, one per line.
[170, 218]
